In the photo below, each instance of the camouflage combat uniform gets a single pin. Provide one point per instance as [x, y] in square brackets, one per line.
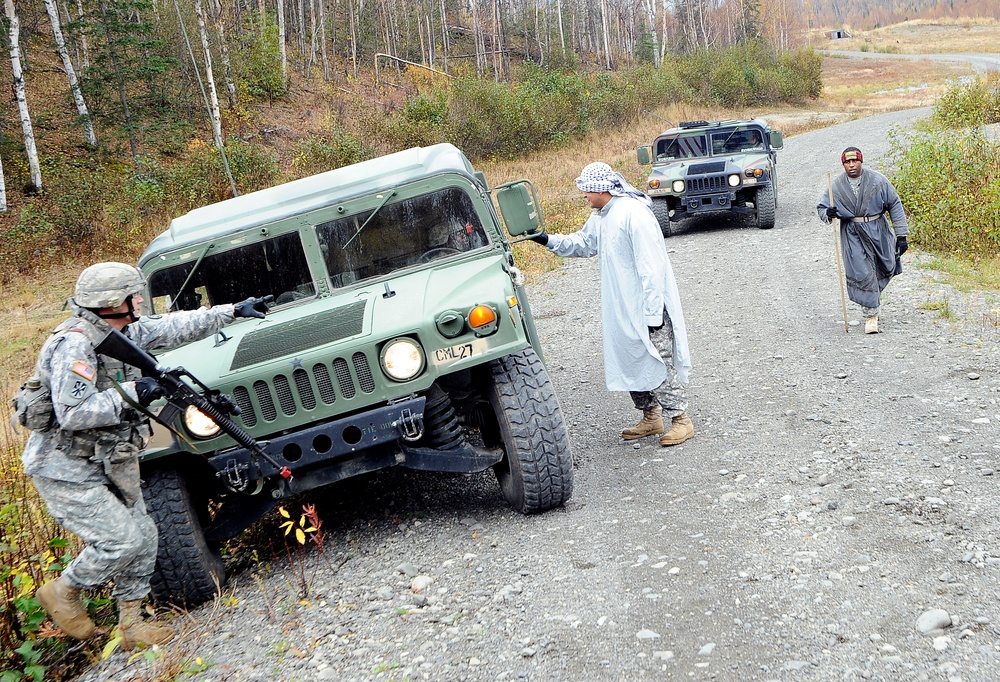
[95, 428]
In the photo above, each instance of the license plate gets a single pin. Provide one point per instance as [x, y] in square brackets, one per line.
[459, 352]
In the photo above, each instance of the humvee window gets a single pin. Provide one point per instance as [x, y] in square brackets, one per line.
[739, 140]
[683, 147]
[275, 266]
[412, 231]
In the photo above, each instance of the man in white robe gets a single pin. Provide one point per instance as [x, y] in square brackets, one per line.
[871, 246]
[645, 340]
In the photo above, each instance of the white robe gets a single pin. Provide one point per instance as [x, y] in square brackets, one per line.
[637, 285]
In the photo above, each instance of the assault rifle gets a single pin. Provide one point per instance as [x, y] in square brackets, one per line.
[214, 404]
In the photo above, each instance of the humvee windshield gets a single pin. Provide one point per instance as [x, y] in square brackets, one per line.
[695, 145]
[743, 139]
[413, 231]
[681, 147]
[275, 266]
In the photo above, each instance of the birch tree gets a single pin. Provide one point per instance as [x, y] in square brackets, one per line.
[209, 76]
[74, 86]
[218, 17]
[14, 35]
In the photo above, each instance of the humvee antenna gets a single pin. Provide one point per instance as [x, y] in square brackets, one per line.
[647, 111]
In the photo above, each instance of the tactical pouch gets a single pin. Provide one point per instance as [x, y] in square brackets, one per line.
[121, 465]
[32, 405]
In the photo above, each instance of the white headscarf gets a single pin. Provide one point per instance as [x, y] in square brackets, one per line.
[600, 177]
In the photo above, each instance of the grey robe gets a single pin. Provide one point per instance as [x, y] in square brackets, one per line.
[637, 287]
[869, 248]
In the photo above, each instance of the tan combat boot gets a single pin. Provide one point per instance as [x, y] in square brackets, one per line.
[871, 325]
[65, 608]
[135, 630]
[681, 429]
[650, 425]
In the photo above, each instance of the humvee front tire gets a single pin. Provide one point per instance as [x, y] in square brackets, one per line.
[189, 569]
[661, 209]
[536, 472]
[764, 202]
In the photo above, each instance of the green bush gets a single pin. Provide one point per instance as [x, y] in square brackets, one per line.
[322, 153]
[969, 104]
[949, 184]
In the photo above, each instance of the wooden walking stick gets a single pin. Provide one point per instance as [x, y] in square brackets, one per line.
[836, 249]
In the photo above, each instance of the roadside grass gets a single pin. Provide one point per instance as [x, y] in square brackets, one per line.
[964, 275]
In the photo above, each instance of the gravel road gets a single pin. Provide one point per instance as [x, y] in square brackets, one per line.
[835, 517]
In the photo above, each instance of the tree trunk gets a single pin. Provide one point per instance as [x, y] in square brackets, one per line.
[281, 42]
[604, 32]
[227, 68]
[3, 190]
[14, 33]
[322, 39]
[209, 76]
[74, 86]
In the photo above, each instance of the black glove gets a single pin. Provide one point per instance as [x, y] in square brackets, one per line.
[831, 212]
[147, 390]
[901, 246]
[253, 307]
[654, 329]
[542, 239]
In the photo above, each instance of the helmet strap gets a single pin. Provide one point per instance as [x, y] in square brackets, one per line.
[130, 313]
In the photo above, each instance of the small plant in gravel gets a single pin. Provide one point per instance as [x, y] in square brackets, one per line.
[306, 529]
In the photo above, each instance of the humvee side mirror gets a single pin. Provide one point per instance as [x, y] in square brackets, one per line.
[777, 141]
[519, 208]
[642, 154]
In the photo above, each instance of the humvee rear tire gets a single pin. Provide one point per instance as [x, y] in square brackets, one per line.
[536, 472]
[661, 209]
[765, 203]
[189, 569]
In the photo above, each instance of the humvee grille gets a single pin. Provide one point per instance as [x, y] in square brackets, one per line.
[344, 379]
[269, 342]
[364, 372]
[280, 392]
[705, 185]
[304, 388]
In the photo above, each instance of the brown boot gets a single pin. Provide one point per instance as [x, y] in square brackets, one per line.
[650, 425]
[681, 429]
[135, 630]
[65, 608]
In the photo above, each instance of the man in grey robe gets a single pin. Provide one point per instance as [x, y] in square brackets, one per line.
[645, 340]
[872, 231]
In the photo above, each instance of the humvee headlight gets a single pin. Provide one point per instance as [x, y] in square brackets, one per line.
[678, 186]
[754, 172]
[483, 320]
[402, 359]
[654, 184]
[734, 180]
[198, 423]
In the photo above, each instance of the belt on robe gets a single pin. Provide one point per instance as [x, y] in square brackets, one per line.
[863, 218]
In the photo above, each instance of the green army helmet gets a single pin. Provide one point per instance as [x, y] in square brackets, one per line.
[107, 285]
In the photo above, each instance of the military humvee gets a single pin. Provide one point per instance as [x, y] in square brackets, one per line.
[719, 166]
[401, 336]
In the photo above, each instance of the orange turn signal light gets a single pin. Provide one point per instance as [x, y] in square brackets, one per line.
[481, 316]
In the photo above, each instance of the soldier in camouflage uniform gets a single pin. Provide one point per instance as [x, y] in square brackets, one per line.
[85, 466]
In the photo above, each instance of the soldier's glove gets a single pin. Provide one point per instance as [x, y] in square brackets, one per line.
[253, 307]
[831, 212]
[654, 329]
[901, 245]
[542, 239]
[147, 390]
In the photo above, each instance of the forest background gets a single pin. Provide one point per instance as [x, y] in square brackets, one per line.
[127, 113]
